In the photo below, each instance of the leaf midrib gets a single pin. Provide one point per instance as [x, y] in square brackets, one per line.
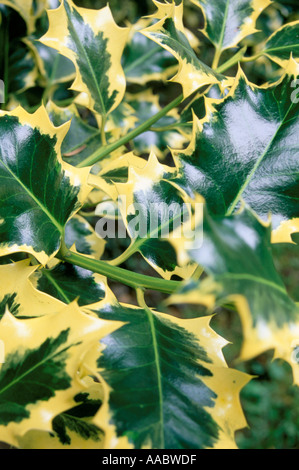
[36, 366]
[280, 48]
[82, 49]
[56, 285]
[256, 166]
[256, 279]
[32, 195]
[220, 43]
[136, 245]
[159, 373]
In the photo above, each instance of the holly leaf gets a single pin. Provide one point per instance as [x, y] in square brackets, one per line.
[68, 283]
[94, 43]
[283, 43]
[19, 296]
[143, 60]
[22, 70]
[80, 233]
[168, 386]
[113, 172]
[53, 67]
[39, 192]
[27, 9]
[152, 209]
[72, 429]
[81, 140]
[236, 255]
[227, 22]
[42, 357]
[169, 32]
[245, 149]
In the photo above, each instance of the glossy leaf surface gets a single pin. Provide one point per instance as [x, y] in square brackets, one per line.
[94, 43]
[39, 192]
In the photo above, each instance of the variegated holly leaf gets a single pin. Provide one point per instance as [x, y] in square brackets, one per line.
[227, 22]
[152, 208]
[19, 296]
[143, 60]
[169, 32]
[38, 191]
[22, 70]
[28, 9]
[80, 233]
[68, 283]
[236, 254]
[72, 429]
[247, 148]
[94, 43]
[196, 106]
[283, 43]
[53, 67]
[168, 384]
[70, 432]
[39, 378]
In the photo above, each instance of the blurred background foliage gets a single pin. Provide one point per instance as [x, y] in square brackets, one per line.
[270, 402]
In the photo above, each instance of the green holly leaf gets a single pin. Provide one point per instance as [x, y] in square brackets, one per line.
[81, 140]
[94, 43]
[283, 43]
[28, 9]
[53, 375]
[236, 255]
[169, 32]
[39, 192]
[144, 61]
[227, 22]
[72, 429]
[22, 70]
[53, 67]
[245, 149]
[68, 283]
[167, 382]
[80, 233]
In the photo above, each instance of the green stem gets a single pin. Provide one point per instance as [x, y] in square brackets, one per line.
[216, 59]
[131, 250]
[232, 61]
[197, 273]
[105, 151]
[121, 275]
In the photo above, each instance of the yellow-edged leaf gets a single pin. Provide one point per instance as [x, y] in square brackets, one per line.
[169, 32]
[171, 398]
[39, 378]
[94, 43]
[39, 192]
